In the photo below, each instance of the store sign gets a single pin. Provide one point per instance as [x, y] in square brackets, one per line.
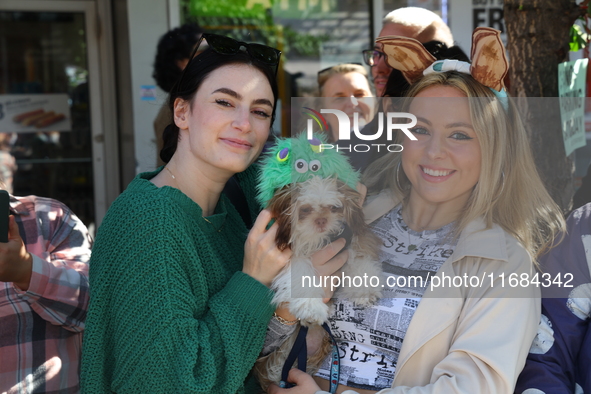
[572, 77]
[467, 15]
[289, 9]
[488, 13]
[34, 112]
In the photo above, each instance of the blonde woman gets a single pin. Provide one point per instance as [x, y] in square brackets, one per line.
[463, 201]
[346, 87]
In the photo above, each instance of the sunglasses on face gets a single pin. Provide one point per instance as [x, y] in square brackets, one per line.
[372, 56]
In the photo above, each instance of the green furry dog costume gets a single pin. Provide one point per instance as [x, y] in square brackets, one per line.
[297, 159]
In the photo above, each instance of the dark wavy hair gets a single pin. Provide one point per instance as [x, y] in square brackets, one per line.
[175, 45]
[196, 72]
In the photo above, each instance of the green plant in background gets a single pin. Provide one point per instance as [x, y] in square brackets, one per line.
[579, 38]
[232, 18]
[304, 45]
[581, 33]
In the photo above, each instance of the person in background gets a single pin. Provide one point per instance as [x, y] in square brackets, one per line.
[559, 361]
[172, 55]
[8, 165]
[346, 87]
[583, 194]
[44, 297]
[413, 22]
[397, 85]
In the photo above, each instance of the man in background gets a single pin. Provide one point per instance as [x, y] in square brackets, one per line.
[413, 22]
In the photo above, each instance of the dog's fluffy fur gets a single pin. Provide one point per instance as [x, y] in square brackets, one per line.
[310, 215]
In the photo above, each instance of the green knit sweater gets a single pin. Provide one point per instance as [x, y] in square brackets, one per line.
[170, 310]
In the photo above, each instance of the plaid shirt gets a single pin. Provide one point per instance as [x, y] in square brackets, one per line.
[41, 328]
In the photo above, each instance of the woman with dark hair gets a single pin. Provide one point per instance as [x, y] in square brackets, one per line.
[180, 303]
[172, 55]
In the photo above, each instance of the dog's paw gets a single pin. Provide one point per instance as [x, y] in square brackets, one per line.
[365, 301]
[362, 296]
[310, 311]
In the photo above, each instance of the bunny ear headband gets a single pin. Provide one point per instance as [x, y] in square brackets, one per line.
[489, 62]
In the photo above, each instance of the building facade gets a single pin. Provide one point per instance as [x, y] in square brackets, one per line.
[77, 99]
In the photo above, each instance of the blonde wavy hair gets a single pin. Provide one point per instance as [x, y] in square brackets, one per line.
[509, 191]
[344, 68]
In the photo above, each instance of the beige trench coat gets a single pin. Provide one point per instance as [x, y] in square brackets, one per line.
[469, 339]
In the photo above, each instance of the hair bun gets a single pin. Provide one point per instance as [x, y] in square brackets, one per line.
[170, 139]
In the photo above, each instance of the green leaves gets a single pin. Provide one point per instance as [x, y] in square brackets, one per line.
[578, 38]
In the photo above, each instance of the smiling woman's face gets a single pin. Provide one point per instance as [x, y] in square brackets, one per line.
[230, 118]
[443, 165]
[346, 93]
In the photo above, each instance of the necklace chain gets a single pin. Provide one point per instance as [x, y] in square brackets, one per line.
[204, 218]
[170, 172]
[219, 230]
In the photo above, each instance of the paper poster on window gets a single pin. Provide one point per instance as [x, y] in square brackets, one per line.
[21, 113]
[571, 90]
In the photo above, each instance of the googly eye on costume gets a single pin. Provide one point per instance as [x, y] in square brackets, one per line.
[283, 155]
[315, 145]
[315, 165]
[301, 166]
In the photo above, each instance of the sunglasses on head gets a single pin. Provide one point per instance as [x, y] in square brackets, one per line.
[229, 46]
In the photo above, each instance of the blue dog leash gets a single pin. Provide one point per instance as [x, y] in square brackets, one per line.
[299, 351]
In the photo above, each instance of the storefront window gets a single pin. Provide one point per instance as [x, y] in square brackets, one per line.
[45, 128]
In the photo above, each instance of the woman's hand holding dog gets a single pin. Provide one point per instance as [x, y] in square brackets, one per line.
[326, 261]
[305, 384]
[262, 259]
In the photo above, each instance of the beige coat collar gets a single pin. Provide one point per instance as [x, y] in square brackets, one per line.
[475, 240]
[438, 309]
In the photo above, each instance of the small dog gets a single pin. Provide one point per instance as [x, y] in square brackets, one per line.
[310, 215]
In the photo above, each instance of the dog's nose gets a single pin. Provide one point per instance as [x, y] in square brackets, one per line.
[321, 222]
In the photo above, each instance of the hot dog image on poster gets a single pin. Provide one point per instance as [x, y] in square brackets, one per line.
[34, 112]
